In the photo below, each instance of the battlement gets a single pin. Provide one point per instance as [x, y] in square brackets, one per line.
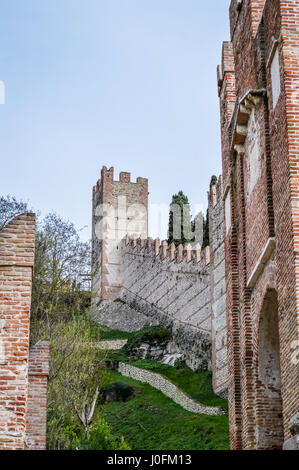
[215, 195]
[162, 250]
[124, 177]
[17, 240]
[128, 213]
[240, 8]
[142, 281]
[227, 65]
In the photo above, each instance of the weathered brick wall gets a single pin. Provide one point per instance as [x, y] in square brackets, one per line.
[227, 94]
[17, 241]
[260, 159]
[16, 263]
[284, 130]
[36, 423]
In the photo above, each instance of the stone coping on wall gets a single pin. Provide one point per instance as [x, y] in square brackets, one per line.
[112, 345]
[191, 253]
[168, 388]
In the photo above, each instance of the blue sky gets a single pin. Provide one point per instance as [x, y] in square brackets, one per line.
[123, 83]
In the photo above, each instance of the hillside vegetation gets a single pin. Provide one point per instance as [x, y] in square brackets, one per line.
[151, 421]
[60, 301]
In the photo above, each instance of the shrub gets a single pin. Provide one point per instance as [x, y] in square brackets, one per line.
[151, 335]
[118, 391]
[98, 437]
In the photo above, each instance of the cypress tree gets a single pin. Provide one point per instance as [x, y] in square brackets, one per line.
[206, 231]
[180, 218]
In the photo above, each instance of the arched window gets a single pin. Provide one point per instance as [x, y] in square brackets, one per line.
[269, 423]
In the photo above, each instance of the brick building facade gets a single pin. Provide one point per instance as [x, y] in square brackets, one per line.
[258, 83]
[23, 373]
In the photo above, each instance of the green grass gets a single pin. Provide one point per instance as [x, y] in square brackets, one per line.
[152, 421]
[197, 385]
[151, 335]
[148, 334]
[118, 355]
[103, 333]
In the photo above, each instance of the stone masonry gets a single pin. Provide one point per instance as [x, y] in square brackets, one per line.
[142, 282]
[170, 287]
[258, 84]
[23, 377]
[218, 289]
[169, 389]
[119, 209]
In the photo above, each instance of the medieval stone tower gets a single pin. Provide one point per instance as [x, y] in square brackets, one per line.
[258, 85]
[120, 208]
[139, 282]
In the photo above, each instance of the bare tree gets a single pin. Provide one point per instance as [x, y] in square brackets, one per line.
[60, 259]
[10, 207]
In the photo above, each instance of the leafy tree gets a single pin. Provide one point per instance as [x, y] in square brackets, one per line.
[10, 207]
[61, 260]
[198, 228]
[206, 231]
[75, 372]
[182, 229]
[98, 437]
[76, 369]
[77, 375]
[180, 224]
[213, 180]
[59, 298]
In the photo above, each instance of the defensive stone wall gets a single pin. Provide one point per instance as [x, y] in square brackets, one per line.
[142, 282]
[218, 289]
[166, 286]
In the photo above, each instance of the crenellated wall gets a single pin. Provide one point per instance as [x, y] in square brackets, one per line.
[168, 286]
[179, 287]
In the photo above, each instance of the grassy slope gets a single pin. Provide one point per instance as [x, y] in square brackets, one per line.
[197, 385]
[152, 421]
[103, 333]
